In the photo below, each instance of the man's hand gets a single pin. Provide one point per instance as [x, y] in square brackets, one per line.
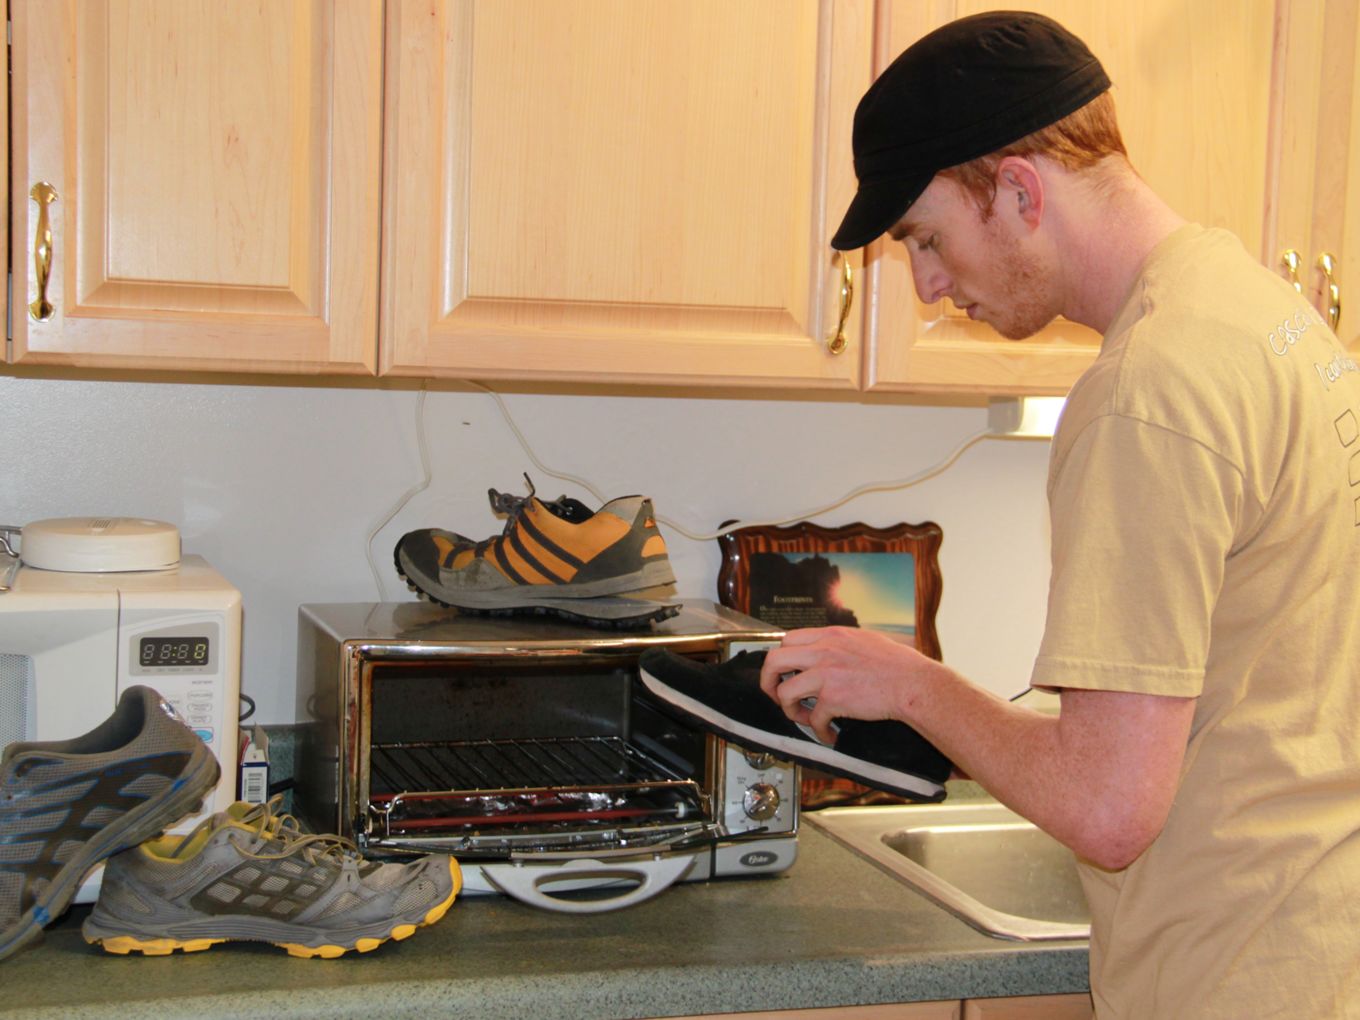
[820, 674]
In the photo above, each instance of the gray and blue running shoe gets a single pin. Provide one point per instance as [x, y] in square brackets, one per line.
[249, 874]
[67, 805]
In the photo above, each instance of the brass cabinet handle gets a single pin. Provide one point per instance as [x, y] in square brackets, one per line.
[1326, 262]
[44, 194]
[837, 341]
[1290, 260]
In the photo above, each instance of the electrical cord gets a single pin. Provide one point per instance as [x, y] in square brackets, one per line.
[423, 448]
[891, 485]
[528, 450]
[855, 493]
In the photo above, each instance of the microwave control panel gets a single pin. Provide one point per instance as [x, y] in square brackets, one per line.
[182, 662]
[186, 647]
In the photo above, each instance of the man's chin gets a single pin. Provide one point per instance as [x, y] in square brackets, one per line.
[1020, 330]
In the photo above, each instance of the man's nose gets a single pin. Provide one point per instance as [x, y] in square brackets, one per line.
[932, 282]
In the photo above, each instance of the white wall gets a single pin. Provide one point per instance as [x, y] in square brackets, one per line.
[278, 486]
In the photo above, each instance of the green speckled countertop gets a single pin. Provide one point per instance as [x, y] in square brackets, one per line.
[831, 931]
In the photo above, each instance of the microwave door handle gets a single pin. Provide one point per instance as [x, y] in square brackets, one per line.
[9, 559]
[527, 882]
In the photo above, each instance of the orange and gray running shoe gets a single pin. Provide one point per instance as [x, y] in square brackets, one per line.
[555, 557]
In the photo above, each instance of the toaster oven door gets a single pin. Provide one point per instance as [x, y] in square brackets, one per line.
[543, 775]
[551, 753]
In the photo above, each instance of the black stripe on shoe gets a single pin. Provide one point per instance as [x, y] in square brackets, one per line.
[520, 547]
[547, 543]
[503, 562]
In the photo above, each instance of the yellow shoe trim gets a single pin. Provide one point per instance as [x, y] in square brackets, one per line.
[124, 944]
[308, 952]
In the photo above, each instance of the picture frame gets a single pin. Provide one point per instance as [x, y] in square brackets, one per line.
[809, 575]
[888, 578]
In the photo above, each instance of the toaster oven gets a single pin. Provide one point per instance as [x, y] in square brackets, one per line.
[529, 750]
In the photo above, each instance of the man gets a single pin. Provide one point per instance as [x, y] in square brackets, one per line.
[1204, 491]
[1204, 612]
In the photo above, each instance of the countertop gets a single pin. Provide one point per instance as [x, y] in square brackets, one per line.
[831, 931]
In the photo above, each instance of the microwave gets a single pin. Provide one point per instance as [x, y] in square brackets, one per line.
[529, 749]
[72, 642]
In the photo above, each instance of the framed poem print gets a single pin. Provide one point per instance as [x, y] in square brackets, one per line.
[856, 575]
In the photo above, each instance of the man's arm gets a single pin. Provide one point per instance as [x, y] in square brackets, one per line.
[1100, 777]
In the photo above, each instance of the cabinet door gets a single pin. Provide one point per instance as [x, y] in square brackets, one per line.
[1192, 87]
[635, 190]
[1315, 154]
[1030, 1007]
[206, 179]
[894, 1011]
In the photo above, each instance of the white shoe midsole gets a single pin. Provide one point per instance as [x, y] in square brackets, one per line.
[793, 747]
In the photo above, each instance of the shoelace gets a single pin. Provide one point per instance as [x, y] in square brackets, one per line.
[273, 828]
[513, 507]
[510, 505]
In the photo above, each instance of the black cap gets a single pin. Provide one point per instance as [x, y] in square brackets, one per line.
[965, 90]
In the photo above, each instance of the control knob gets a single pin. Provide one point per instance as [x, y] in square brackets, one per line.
[758, 759]
[761, 801]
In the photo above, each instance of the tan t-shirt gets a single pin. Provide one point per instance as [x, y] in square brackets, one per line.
[1205, 497]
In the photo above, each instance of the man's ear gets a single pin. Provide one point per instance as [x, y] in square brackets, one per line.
[1019, 187]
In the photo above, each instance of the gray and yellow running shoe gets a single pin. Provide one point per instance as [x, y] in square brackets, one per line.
[67, 805]
[248, 874]
[558, 557]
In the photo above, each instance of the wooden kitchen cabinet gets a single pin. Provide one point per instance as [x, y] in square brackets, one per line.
[607, 190]
[893, 1011]
[623, 191]
[1024, 1007]
[1030, 1007]
[1316, 164]
[208, 184]
[597, 190]
[1193, 87]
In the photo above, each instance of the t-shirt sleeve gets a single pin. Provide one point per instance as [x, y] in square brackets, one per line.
[1143, 519]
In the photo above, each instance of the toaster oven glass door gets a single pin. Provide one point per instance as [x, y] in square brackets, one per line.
[539, 751]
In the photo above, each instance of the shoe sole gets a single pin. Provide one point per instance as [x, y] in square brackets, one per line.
[196, 936]
[801, 750]
[185, 797]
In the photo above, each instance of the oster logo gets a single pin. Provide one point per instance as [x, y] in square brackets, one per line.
[759, 859]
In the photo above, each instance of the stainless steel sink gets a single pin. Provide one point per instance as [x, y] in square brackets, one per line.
[978, 860]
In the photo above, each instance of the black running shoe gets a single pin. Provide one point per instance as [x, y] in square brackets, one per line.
[66, 805]
[727, 699]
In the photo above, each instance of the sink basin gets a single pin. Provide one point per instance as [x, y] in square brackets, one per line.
[979, 860]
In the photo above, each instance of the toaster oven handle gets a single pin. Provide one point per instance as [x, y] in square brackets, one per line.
[525, 882]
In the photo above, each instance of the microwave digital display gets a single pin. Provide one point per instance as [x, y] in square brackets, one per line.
[173, 651]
